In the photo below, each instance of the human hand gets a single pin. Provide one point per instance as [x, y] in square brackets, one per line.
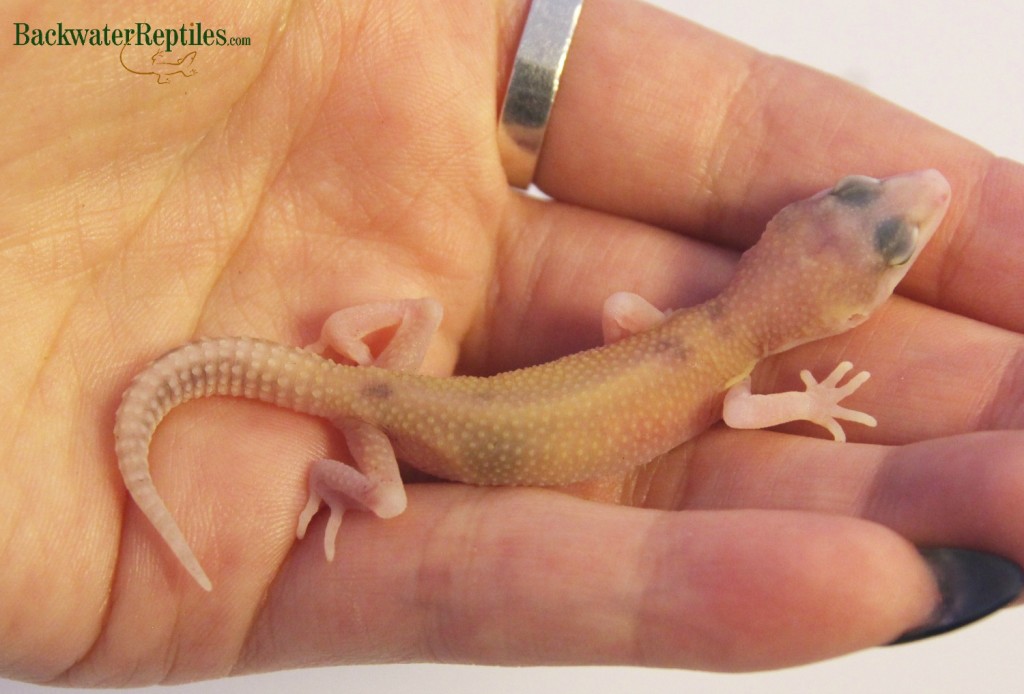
[349, 155]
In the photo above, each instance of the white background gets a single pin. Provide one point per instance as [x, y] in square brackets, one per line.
[959, 63]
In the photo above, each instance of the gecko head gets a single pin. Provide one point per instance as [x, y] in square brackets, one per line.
[840, 254]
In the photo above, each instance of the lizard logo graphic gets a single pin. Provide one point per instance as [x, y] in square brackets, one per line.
[163, 66]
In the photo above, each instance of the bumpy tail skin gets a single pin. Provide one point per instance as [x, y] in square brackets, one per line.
[242, 367]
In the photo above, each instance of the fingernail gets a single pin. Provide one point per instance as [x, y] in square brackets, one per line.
[972, 585]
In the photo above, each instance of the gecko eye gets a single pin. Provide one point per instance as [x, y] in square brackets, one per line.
[896, 240]
[857, 191]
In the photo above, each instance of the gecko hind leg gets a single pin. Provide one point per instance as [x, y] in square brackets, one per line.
[415, 321]
[375, 486]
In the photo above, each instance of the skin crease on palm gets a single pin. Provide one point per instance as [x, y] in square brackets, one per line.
[349, 155]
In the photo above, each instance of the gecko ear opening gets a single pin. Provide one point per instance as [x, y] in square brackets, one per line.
[855, 319]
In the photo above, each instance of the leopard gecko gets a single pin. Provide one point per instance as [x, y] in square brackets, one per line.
[821, 267]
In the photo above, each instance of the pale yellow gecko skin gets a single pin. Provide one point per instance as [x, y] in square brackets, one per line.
[821, 267]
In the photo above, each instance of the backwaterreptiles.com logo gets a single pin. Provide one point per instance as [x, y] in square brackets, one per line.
[175, 47]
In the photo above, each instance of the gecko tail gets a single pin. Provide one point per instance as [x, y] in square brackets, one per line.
[149, 501]
[145, 403]
[132, 448]
[234, 366]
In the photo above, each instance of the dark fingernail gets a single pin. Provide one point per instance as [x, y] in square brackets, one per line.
[972, 585]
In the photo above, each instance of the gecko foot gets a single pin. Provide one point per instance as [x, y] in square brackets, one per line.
[819, 403]
[342, 487]
[414, 322]
[333, 523]
[824, 397]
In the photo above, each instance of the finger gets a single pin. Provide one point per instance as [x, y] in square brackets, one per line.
[557, 264]
[528, 577]
[696, 132]
[695, 124]
[963, 491]
[923, 384]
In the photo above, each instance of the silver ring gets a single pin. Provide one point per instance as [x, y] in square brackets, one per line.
[533, 85]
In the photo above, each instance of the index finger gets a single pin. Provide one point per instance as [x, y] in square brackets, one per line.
[660, 120]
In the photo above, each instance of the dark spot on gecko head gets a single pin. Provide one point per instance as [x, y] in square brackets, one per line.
[857, 191]
[895, 240]
[378, 391]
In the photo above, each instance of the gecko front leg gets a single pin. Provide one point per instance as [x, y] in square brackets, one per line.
[626, 313]
[819, 403]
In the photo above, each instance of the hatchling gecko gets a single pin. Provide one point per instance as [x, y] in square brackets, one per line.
[820, 268]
